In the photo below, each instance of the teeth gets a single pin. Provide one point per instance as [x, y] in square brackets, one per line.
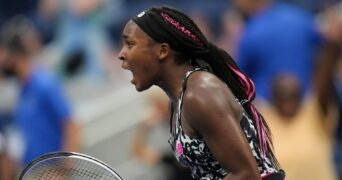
[132, 76]
[128, 75]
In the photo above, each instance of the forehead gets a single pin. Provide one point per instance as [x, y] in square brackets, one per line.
[133, 31]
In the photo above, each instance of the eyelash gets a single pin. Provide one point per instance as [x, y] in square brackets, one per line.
[129, 45]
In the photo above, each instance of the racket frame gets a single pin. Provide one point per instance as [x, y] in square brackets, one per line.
[66, 154]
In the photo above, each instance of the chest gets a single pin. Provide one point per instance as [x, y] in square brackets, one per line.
[28, 104]
[189, 149]
[31, 105]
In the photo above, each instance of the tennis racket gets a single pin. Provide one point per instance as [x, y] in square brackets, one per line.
[68, 166]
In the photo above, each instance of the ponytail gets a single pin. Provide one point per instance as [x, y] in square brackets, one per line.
[243, 88]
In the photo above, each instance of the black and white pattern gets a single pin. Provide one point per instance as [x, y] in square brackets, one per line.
[195, 153]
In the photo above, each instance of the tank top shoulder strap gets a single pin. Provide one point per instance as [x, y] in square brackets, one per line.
[180, 100]
[185, 80]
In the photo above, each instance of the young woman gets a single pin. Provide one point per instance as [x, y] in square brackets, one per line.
[215, 129]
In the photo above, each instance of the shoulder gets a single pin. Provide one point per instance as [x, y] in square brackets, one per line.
[207, 97]
[202, 84]
[45, 81]
[204, 81]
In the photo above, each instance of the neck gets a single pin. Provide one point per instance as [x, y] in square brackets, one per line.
[172, 80]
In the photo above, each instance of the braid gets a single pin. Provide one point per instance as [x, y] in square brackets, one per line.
[223, 66]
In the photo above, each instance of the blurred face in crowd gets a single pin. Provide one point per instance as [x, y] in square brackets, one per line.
[286, 95]
[8, 62]
[19, 42]
[139, 55]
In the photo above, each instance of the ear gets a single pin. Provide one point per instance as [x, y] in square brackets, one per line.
[164, 51]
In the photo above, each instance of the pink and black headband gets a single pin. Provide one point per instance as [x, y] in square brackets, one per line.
[159, 33]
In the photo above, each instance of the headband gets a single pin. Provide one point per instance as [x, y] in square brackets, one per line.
[158, 33]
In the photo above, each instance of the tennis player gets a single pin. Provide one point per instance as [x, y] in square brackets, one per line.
[215, 129]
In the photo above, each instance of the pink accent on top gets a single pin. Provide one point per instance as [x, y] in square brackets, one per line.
[177, 25]
[179, 148]
[268, 174]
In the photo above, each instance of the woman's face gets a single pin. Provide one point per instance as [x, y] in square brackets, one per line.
[139, 55]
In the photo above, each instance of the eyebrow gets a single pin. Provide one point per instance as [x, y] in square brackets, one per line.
[127, 37]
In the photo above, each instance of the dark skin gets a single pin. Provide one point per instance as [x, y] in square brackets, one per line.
[212, 116]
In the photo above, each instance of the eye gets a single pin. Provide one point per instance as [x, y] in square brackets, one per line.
[129, 44]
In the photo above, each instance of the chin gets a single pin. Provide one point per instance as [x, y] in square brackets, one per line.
[141, 88]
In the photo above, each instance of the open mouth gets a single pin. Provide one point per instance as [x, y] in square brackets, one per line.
[133, 79]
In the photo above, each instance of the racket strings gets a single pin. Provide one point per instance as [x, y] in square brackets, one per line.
[69, 168]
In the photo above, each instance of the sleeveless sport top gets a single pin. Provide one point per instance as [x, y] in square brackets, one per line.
[195, 153]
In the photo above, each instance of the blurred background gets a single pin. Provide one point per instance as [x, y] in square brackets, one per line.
[290, 48]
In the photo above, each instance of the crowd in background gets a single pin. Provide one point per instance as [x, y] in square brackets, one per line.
[290, 49]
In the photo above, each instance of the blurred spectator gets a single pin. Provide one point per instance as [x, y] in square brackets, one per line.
[232, 28]
[156, 116]
[337, 153]
[300, 127]
[42, 114]
[279, 51]
[297, 129]
[286, 95]
[329, 77]
[301, 142]
[7, 171]
[278, 38]
[46, 19]
[82, 38]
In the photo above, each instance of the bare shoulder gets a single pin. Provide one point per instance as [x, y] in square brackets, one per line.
[206, 87]
[203, 82]
[207, 97]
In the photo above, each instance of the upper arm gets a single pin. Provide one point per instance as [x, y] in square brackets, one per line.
[211, 109]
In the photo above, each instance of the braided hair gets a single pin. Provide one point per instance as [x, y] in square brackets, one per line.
[192, 44]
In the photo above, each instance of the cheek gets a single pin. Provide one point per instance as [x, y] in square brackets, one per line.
[147, 72]
[142, 70]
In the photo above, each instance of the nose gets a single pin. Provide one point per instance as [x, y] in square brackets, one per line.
[122, 54]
